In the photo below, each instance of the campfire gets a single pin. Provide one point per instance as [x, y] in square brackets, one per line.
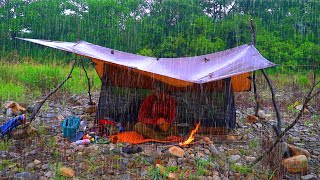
[191, 137]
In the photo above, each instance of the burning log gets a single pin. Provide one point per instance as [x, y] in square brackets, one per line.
[191, 137]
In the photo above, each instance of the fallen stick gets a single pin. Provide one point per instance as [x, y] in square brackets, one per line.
[307, 99]
[39, 105]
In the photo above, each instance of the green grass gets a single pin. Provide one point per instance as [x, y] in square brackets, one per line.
[34, 79]
[4, 145]
[254, 143]
[242, 169]
[4, 164]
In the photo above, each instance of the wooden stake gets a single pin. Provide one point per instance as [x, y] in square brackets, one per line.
[255, 92]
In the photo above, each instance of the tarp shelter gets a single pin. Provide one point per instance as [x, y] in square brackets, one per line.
[226, 71]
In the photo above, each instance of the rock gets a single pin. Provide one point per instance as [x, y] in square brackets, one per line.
[13, 154]
[45, 166]
[213, 150]
[24, 175]
[250, 158]
[3, 154]
[50, 116]
[36, 162]
[296, 164]
[30, 165]
[176, 151]
[298, 151]
[252, 119]
[233, 152]
[262, 114]
[49, 174]
[126, 176]
[173, 176]
[309, 177]
[172, 162]
[67, 172]
[43, 178]
[231, 138]
[312, 139]
[207, 140]
[207, 151]
[257, 125]
[234, 158]
[299, 107]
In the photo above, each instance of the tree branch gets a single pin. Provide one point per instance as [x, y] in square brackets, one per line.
[39, 105]
[307, 99]
[89, 85]
[273, 99]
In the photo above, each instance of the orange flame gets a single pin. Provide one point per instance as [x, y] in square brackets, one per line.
[191, 137]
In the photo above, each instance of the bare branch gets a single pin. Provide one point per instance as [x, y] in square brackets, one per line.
[273, 99]
[39, 105]
[89, 85]
[307, 99]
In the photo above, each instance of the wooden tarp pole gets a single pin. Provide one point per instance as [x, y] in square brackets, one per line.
[278, 130]
[256, 96]
[89, 84]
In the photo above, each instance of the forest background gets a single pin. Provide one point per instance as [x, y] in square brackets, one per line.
[288, 34]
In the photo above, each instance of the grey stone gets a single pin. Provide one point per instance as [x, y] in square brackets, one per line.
[172, 162]
[50, 116]
[309, 177]
[30, 165]
[213, 150]
[3, 154]
[235, 158]
[126, 176]
[144, 173]
[49, 174]
[45, 166]
[24, 175]
[42, 178]
[207, 151]
[313, 139]
[13, 154]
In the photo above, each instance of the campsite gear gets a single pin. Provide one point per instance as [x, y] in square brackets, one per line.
[177, 72]
[83, 126]
[79, 135]
[103, 141]
[133, 137]
[153, 131]
[109, 126]
[11, 124]
[86, 137]
[15, 108]
[9, 112]
[83, 142]
[70, 126]
[132, 149]
[221, 73]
